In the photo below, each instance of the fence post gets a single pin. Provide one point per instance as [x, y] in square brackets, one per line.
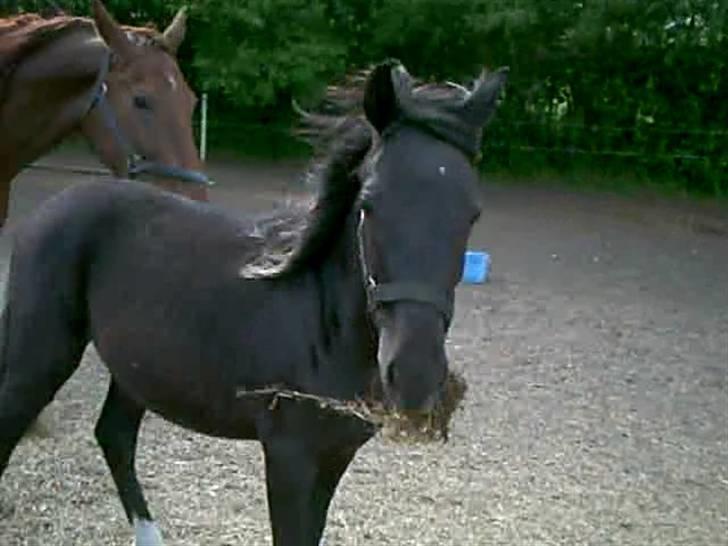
[203, 128]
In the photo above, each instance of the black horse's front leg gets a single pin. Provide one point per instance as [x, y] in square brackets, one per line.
[300, 484]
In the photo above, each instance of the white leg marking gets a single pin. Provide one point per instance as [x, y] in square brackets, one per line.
[146, 533]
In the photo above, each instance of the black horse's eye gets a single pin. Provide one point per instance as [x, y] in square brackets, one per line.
[142, 102]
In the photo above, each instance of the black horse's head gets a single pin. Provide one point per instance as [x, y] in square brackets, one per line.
[418, 207]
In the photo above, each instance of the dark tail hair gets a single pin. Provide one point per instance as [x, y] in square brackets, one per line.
[4, 325]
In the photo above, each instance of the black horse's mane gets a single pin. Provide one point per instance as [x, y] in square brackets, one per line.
[298, 237]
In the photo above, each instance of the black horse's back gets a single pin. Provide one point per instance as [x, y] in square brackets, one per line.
[104, 255]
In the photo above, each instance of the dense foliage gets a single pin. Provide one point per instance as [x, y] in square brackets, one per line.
[634, 86]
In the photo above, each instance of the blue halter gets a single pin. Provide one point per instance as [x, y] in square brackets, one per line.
[135, 165]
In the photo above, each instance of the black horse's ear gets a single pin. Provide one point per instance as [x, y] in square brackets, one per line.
[380, 94]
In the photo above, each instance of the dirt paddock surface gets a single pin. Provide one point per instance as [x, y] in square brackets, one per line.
[597, 409]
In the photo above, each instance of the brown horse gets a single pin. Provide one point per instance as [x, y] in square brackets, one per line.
[119, 85]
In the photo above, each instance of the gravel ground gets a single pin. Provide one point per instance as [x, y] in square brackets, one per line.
[597, 409]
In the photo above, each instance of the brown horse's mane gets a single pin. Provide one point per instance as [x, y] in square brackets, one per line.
[32, 23]
[22, 35]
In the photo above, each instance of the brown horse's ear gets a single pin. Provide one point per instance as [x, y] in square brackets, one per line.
[174, 35]
[482, 103]
[53, 10]
[382, 93]
[111, 31]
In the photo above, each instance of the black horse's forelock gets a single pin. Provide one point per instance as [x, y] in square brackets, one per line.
[342, 103]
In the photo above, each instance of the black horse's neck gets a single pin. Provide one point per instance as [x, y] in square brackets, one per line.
[345, 345]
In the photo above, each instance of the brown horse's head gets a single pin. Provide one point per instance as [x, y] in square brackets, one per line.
[142, 120]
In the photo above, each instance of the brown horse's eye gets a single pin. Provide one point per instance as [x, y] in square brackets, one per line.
[142, 102]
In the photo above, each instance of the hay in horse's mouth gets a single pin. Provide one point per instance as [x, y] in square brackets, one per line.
[422, 427]
[397, 426]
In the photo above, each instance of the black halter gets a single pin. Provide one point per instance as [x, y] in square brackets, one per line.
[390, 292]
[134, 165]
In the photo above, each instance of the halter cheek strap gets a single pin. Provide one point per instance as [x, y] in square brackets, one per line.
[133, 165]
[393, 292]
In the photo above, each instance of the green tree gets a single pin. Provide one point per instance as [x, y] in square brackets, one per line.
[631, 85]
[261, 53]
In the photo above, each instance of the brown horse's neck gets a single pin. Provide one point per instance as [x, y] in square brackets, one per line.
[51, 70]
[35, 115]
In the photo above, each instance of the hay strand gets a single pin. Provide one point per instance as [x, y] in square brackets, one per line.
[395, 426]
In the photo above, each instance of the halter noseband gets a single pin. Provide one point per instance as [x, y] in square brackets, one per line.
[134, 165]
[391, 292]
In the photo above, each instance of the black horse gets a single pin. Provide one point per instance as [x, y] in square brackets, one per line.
[187, 304]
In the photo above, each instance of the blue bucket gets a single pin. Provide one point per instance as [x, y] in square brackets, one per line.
[476, 267]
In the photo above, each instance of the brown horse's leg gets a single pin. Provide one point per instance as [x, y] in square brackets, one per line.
[116, 432]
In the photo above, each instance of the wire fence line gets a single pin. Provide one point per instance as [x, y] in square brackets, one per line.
[228, 125]
[76, 169]
[605, 153]
[566, 140]
[585, 140]
[517, 122]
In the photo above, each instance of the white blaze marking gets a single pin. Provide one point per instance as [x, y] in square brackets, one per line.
[172, 82]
